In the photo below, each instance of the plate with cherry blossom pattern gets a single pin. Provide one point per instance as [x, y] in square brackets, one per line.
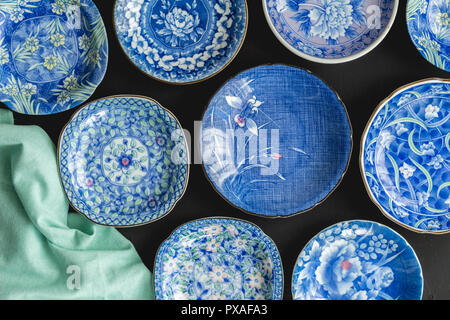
[218, 259]
[53, 54]
[357, 260]
[181, 41]
[405, 157]
[330, 31]
[123, 161]
[275, 141]
[429, 27]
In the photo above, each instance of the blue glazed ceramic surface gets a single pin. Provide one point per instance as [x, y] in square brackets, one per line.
[53, 54]
[181, 41]
[123, 161]
[405, 158]
[429, 28]
[357, 260]
[218, 259]
[275, 140]
[330, 31]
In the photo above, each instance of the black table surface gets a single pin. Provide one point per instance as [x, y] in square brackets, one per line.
[362, 84]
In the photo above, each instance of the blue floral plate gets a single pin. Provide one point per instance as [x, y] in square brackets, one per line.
[275, 141]
[123, 161]
[405, 157]
[53, 54]
[429, 28]
[218, 259]
[330, 31]
[181, 41]
[357, 260]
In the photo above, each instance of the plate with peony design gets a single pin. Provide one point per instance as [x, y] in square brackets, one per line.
[429, 27]
[53, 54]
[330, 31]
[218, 259]
[405, 157]
[357, 260]
[181, 41]
[275, 141]
[123, 161]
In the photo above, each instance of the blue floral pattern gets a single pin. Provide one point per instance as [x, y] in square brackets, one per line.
[181, 41]
[262, 148]
[429, 28]
[53, 54]
[329, 29]
[357, 260]
[123, 161]
[406, 156]
[218, 259]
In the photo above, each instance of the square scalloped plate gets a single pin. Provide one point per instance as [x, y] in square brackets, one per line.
[218, 259]
[53, 54]
[124, 161]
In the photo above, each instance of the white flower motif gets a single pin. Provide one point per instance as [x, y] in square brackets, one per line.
[436, 162]
[333, 20]
[29, 89]
[401, 129]
[170, 265]
[431, 112]
[428, 149]
[386, 138]
[407, 171]
[16, 14]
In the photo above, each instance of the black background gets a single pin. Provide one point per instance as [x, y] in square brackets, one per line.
[361, 84]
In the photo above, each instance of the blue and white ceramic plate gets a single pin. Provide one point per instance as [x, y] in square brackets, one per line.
[275, 141]
[357, 260]
[218, 259]
[181, 41]
[53, 54]
[405, 157]
[429, 28]
[123, 161]
[330, 31]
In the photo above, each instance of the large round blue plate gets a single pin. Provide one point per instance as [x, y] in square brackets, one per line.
[123, 161]
[405, 157]
[218, 259]
[275, 140]
[181, 41]
[429, 28]
[330, 31]
[357, 260]
[53, 54]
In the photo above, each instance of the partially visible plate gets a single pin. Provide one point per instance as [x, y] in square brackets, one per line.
[405, 156]
[181, 41]
[357, 260]
[275, 141]
[330, 31]
[124, 161]
[218, 259]
[429, 28]
[53, 54]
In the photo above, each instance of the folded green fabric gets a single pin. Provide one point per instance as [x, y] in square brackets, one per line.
[45, 252]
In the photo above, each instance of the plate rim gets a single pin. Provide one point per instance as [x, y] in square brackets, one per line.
[352, 57]
[181, 84]
[363, 221]
[106, 64]
[277, 251]
[350, 155]
[59, 148]
[362, 153]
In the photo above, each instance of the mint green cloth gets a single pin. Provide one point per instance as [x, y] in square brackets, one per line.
[43, 248]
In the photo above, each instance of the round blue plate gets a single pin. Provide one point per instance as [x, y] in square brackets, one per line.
[328, 31]
[123, 161]
[357, 260]
[53, 54]
[218, 259]
[429, 28]
[275, 141]
[181, 41]
[405, 157]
